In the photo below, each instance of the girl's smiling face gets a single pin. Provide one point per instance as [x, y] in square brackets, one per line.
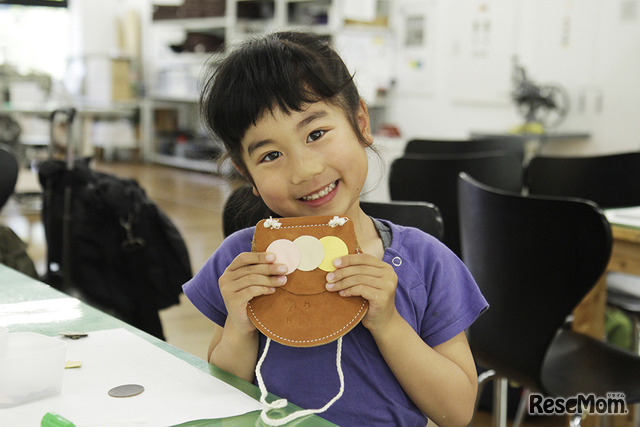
[308, 162]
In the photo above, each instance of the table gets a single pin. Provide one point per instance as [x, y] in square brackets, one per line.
[533, 142]
[625, 258]
[625, 227]
[16, 288]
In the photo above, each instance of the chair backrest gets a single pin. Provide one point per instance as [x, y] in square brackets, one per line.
[443, 146]
[8, 173]
[433, 178]
[422, 215]
[609, 180]
[534, 259]
[237, 214]
[242, 209]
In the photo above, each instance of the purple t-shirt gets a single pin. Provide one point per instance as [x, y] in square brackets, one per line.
[436, 295]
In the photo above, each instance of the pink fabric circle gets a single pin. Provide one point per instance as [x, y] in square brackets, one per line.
[286, 253]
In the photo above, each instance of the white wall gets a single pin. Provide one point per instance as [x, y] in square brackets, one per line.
[102, 30]
[589, 47]
[96, 24]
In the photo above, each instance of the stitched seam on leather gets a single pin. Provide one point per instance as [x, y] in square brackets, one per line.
[307, 341]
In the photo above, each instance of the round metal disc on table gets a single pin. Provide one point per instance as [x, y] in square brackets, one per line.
[127, 390]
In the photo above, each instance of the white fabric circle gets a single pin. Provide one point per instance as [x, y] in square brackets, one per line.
[311, 252]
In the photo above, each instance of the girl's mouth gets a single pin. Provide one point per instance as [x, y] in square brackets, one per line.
[320, 194]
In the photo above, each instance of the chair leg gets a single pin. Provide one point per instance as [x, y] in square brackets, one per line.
[575, 420]
[636, 414]
[636, 333]
[522, 406]
[500, 388]
[483, 379]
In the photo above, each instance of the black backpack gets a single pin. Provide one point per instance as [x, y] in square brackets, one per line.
[109, 244]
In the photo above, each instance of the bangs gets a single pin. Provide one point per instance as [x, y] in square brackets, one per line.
[285, 71]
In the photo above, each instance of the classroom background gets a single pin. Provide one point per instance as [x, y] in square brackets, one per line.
[429, 69]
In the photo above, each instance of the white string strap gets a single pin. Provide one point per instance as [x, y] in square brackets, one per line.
[281, 403]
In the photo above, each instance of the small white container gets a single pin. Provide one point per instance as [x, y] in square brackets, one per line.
[31, 367]
[4, 332]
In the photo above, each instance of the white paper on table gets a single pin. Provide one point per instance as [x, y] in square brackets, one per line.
[624, 216]
[175, 391]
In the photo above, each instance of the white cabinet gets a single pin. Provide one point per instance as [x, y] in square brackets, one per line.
[179, 52]
[179, 56]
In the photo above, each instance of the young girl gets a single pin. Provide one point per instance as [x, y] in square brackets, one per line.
[290, 116]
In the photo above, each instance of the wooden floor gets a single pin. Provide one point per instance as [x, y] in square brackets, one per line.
[194, 201]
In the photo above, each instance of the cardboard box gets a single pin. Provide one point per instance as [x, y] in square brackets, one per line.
[121, 89]
[107, 80]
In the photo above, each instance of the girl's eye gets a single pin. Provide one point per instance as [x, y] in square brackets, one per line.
[315, 135]
[269, 157]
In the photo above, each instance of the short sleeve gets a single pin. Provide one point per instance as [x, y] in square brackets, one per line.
[436, 293]
[454, 300]
[203, 290]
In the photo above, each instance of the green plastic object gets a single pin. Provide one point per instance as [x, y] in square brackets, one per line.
[51, 419]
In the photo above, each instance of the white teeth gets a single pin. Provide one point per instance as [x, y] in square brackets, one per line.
[328, 189]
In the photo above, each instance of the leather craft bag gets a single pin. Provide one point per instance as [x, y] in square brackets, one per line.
[302, 313]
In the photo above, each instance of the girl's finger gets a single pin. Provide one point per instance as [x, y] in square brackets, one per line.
[352, 271]
[251, 258]
[255, 291]
[256, 279]
[260, 269]
[355, 280]
[374, 296]
[356, 259]
[249, 273]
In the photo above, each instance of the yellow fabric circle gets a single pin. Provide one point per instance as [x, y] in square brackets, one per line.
[334, 248]
[311, 252]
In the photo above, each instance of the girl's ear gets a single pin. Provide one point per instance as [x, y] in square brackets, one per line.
[364, 122]
[255, 191]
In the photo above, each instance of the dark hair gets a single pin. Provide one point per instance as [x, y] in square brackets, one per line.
[282, 70]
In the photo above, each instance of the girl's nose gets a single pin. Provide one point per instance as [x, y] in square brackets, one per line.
[305, 166]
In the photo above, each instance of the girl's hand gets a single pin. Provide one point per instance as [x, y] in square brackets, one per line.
[369, 277]
[249, 275]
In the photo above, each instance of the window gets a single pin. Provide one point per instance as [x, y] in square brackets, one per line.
[35, 39]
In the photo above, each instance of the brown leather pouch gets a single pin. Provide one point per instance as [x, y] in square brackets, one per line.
[302, 313]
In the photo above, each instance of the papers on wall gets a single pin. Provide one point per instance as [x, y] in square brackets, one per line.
[359, 10]
[369, 56]
[483, 45]
[416, 62]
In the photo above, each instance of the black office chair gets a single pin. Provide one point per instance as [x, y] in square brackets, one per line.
[433, 178]
[443, 146]
[8, 173]
[242, 209]
[535, 258]
[611, 181]
[422, 215]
